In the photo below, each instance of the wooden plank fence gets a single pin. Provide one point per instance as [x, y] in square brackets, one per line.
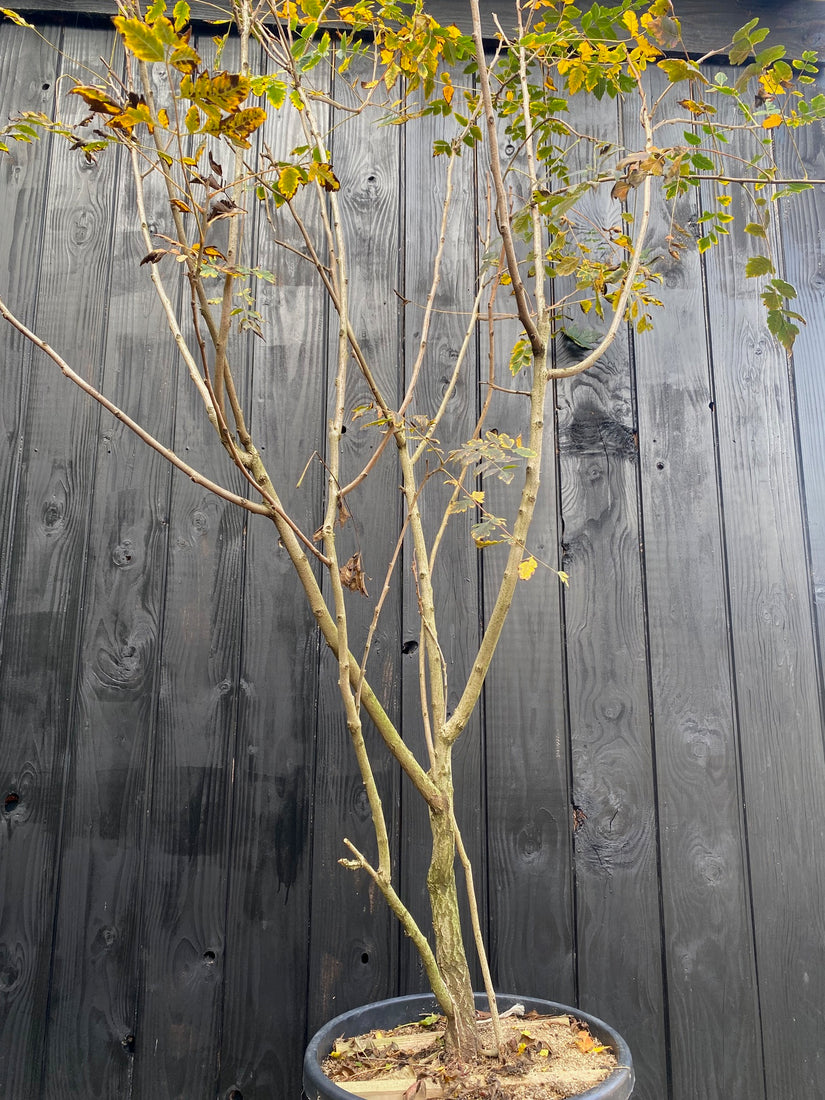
[646, 779]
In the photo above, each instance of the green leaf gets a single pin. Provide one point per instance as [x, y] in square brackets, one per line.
[566, 266]
[180, 13]
[792, 189]
[488, 532]
[755, 229]
[146, 42]
[677, 69]
[586, 338]
[768, 56]
[785, 289]
[691, 138]
[428, 1021]
[758, 265]
[745, 32]
[783, 329]
[702, 163]
[521, 356]
[276, 94]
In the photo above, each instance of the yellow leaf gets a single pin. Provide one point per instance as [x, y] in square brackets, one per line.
[771, 121]
[96, 99]
[631, 22]
[15, 18]
[181, 14]
[238, 125]
[478, 496]
[323, 173]
[288, 180]
[527, 568]
[192, 121]
[146, 42]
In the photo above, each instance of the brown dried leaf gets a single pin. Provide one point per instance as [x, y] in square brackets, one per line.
[224, 208]
[352, 575]
[154, 256]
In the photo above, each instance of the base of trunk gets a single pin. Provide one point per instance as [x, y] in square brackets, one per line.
[401, 1010]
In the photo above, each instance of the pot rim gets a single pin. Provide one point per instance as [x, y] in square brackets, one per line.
[618, 1086]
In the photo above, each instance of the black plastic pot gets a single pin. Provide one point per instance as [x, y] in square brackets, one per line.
[403, 1010]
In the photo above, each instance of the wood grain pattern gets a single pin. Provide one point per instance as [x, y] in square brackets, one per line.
[169, 925]
[456, 572]
[529, 813]
[776, 686]
[28, 79]
[802, 226]
[353, 944]
[45, 584]
[703, 871]
[96, 959]
[270, 851]
[616, 846]
[191, 771]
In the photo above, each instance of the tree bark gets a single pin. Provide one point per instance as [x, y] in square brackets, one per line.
[462, 1035]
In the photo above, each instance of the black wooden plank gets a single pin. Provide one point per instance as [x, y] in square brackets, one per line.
[353, 941]
[191, 776]
[455, 573]
[270, 853]
[97, 935]
[802, 224]
[45, 582]
[776, 675]
[529, 819]
[710, 959]
[28, 80]
[616, 847]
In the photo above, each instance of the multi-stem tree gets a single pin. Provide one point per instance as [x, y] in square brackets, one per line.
[543, 258]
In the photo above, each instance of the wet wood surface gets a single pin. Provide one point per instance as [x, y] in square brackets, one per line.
[646, 776]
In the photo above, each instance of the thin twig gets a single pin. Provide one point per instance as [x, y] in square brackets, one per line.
[124, 418]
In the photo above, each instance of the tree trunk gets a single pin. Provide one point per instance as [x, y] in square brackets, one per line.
[462, 1034]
